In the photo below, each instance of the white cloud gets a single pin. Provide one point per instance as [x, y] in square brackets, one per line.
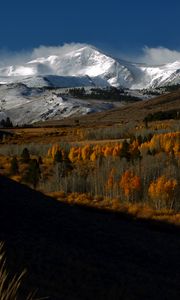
[152, 56]
[158, 56]
[8, 58]
[15, 58]
[44, 51]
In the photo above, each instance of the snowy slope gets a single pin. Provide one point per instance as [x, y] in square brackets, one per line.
[156, 76]
[84, 62]
[26, 105]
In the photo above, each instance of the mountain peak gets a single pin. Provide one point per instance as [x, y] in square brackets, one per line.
[80, 60]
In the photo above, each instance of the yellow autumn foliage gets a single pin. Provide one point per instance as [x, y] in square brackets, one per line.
[52, 151]
[86, 152]
[162, 189]
[130, 183]
[111, 180]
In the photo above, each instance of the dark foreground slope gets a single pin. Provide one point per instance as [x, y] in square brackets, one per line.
[74, 253]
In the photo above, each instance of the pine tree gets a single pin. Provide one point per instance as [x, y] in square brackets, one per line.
[3, 123]
[33, 173]
[14, 168]
[8, 123]
[125, 150]
[40, 161]
[58, 157]
[25, 156]
[146, 122]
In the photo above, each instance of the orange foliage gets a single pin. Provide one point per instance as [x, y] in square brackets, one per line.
[134, 150]
[176, 147]
[162, 189]
[117, 150]
[16, 178]
[167, 142]
[93, 156]
[110, 182]
[130, 183]
[86, 152]
[75, 154]
[134, 145]
[52, 151]
[107, 151]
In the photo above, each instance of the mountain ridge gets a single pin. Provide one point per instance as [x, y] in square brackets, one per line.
[86, 60]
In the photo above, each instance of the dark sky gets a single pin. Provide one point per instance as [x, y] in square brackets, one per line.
[124, 26]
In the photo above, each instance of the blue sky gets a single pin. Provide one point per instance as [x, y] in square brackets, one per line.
[117, 26]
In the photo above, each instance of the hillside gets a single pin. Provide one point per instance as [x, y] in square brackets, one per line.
[138, 111]
[135, 112]
[72, 252]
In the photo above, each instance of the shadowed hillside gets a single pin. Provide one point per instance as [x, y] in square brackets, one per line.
[72, 252]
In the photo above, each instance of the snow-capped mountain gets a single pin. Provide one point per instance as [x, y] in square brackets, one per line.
[27, 91]
[84, 62]
[157, 76]
[85, 65]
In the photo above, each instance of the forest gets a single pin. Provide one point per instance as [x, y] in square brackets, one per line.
[112, 167]
[91, 205]
[108, 94]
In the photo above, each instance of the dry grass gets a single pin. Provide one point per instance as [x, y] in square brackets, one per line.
[9, 286]
[136, 210]
[59, 195]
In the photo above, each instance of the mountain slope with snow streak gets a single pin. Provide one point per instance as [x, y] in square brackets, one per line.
[25, 105]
